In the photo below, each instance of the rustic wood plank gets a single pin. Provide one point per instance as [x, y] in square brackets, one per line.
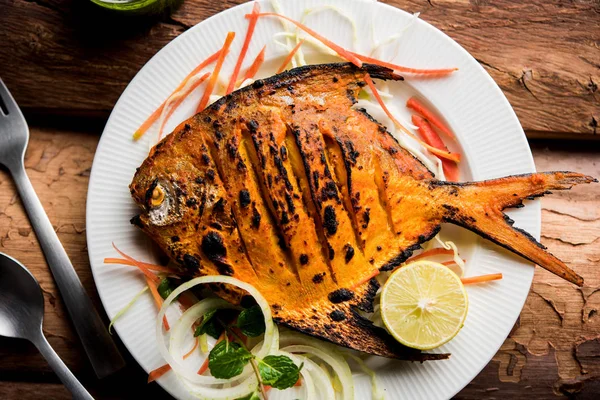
[554, 348]
[543, 54]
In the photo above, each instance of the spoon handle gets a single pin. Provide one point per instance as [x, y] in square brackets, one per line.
[98, 345]
[59, 367]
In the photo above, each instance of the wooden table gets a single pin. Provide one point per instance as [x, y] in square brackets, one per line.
[66, 71]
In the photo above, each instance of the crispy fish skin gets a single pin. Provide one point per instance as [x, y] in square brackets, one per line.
[286, 186]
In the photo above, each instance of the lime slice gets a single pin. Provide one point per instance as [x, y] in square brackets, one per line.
[424, 305]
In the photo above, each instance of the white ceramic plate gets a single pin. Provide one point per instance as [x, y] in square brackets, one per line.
[491, 139]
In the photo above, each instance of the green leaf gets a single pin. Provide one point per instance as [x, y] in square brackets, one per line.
[228, 359]
[251, 396]
[165, 288]
[251, 321]
[209, 325]
[279, 372]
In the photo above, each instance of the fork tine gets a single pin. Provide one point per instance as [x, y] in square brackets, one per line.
[8, 100]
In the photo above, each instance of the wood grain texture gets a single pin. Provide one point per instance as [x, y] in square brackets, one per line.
[63, 56]
[553, 350]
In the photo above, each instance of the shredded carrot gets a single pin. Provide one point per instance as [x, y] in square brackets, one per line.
[432, 252]
[179, 100]
[153, 267]
[289, 57]
[215, 74]
[149, 275]
[481, 278]
[419, 107]
[158, 372]
[253, 69]
[249, 33]
[367, 279]
[189, 353]
[267, 388]
[158, 300]
[186, 300]
[204, 365]
[451, 262]
[156, 114]
[348, 55]
[440, 153]
[298, 382]
[400, 68]
[433, 139]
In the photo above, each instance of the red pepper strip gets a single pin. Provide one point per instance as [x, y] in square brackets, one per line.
[215, 74]
[400, 68]
[348, 55]
[189, 353]
[156, 114]
[179, 101]
[249, 32]
[481, 278]
[158, 300]
[158, 372]
[289, 57]
[419, 107]
[433, 139]
[440, 153]
[260, 58]
[149, 275]
[152, 267]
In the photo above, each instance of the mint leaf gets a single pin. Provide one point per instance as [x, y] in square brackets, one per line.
[227, 359]
[279, 372]
[165, 288]
[251, 321]
[251, 396]
[209, 325]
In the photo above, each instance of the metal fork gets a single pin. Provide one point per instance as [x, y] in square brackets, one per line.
[98, 345]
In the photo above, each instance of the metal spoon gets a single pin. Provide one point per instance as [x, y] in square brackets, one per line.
[21, 316]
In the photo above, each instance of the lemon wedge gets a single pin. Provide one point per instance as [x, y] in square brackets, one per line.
[424, 305]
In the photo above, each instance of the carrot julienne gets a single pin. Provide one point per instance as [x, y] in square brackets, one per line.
[337, 48]
[149, 275]
[158, 372]
[179, 99]
[400, 68]
[152, 267]
[251, 24]
[440, 153]
[215, 74]
[431, 137]
[432, 252]
[419, 107]
[481, 278]
[156, 114]
[253, 69]
[157, 299]
[189, 353]
[289, 57]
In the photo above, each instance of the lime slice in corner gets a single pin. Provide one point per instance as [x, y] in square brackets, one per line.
[134, 6]
[424, 305]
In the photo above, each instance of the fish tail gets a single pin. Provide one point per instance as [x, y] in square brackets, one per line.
[478, 207]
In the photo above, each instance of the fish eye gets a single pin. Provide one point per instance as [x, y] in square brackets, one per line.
[158, 196]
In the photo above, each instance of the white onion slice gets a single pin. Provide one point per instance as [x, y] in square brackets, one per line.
[309, 385]
[378, 393]
[269, 345]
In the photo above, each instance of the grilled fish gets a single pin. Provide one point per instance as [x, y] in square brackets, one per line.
[284, 185]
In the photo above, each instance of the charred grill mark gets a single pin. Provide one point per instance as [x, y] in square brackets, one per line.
[340, 296]
[407, 252]
[252, 144]
[303, 259]
[255, 218]
[349, 252]
[301, 170]
[191, 262]
[365, 302]
[318, 278]
[337, 315]
[381, 192]
[330, 222]
[244, 198]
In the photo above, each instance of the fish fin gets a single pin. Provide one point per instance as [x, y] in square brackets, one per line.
[342, 324]
[478, 207]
